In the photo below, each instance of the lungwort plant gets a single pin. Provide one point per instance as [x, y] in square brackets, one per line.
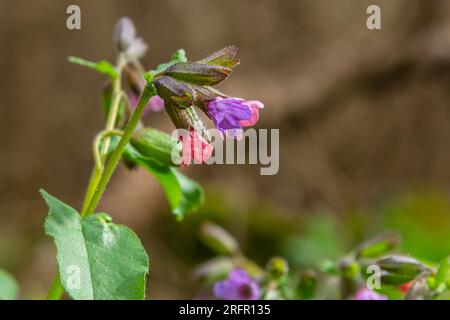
[96, 258]
[373, 270]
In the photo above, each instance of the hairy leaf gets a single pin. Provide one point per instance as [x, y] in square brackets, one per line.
[97, 259]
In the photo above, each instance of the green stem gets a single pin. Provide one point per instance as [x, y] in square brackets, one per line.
[96, 146]
[118, 151]
[110, 124]
[117, 96]
[56, 290]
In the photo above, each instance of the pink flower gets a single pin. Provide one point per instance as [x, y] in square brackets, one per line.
[238, 286]
[155, 104]
[367, 294]
[195, 147]
[254, 106]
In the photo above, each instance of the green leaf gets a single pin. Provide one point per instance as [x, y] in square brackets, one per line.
[96, 258]
[102, 66]
[183, 194]
[377, 246]
[8, 286]
[443, 273]
[178, 56]
[156, 144]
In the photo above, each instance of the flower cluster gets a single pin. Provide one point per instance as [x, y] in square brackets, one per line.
[185, 85]
[182, 86]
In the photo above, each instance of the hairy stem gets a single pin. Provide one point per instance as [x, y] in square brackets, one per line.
[110, 125]
[117, 153]
[56, 290]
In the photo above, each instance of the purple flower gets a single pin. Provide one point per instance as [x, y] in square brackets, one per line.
[367, 294]
[155, 104]
[231, 114]
[238, 286]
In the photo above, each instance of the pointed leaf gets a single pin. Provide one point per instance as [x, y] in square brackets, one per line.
[96, 258]
[102, 66]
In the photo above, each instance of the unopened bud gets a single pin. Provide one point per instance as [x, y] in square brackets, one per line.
[198, 73]
[218, 239]
[126, 41]
[172, 90]
[397, 269]
[277, 268]
[124, 34]
[186, 118]
[307, 284]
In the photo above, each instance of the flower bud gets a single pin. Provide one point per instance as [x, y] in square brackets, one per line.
[155, 144]
[396, 270]
[126, 41]
[198, 73]
[277, 268]
[349, 277]
[307, 284]
[175, 91]
[218, 239]
[223, 57]
[124, 34]
[186, 118]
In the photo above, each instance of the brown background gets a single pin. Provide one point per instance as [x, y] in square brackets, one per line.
[362, 114]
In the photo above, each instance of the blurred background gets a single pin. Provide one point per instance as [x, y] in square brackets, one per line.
[364, 119]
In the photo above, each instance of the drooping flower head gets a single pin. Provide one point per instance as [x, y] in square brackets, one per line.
[231, 114]
[367, 294]
[238, 286]
[184, 85]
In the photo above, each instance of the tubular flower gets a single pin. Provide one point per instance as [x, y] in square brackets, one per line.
[367, 294]
[238, 286]
[155, 104]
[231, 114]
[194, 148]
[184, 85]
